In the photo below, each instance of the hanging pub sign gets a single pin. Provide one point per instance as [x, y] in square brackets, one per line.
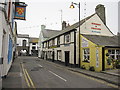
[20, 11]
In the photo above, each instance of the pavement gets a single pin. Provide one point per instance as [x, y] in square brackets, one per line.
[14, 78]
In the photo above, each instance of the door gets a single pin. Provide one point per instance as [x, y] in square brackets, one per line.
[53, 56]
[103, 59]
[67, 58]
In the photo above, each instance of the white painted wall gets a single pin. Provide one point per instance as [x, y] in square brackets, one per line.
[20, 41]
[86, 27]
[31, 45]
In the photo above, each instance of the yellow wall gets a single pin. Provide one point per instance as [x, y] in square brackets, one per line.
[93, 47]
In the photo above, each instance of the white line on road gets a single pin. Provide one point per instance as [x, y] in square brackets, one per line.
[57, 76]
[40, 65]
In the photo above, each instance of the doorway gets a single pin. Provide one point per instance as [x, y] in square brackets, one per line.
[67, 54]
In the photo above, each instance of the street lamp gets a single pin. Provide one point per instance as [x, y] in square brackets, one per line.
[72, 6]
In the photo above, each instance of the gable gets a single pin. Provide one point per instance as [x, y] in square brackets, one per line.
[95, 26]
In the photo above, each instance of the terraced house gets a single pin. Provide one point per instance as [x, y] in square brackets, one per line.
[97, 44]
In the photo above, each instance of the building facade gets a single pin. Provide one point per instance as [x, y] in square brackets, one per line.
[44, 35]
[22, 44]
[8, 34]
[33, 46]
[64, 46]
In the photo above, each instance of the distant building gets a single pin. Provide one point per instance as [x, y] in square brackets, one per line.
[22, 44]
[33, 46]
[97, 44]
[44, 35]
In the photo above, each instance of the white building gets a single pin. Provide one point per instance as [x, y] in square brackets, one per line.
[64, 46]
[22, 43]
[44, 35]
[33, 46]
[7, 35]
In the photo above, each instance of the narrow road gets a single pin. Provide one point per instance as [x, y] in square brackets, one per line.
[40, 73]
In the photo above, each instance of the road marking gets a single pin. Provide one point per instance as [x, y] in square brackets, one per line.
[26, 79]
[40, 65]
[29, 79]
[58, 76]
[100, 81]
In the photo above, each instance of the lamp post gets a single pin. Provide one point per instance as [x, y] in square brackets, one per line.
[72, 6]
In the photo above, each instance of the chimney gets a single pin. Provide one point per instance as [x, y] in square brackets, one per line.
[43, 27]
[63, 25]
[100, 10]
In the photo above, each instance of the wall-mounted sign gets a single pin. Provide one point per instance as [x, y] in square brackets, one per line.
[84, 43]
[96, 26]
[97, 58]
[20, 12]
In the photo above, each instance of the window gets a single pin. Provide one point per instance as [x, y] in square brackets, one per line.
[86, 55]
[33, 43]
[114, 54]
[33, 48]
[59, 54]
[67, 38]
[24, 43]
[58, 41]
[53, 42]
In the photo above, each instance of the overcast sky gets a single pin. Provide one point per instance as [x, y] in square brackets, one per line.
[48, 12]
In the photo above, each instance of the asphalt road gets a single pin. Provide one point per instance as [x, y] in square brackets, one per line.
[40, 73]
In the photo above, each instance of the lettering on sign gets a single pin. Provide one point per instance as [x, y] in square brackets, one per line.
[84, 43]
[97, 58]
[96, 26]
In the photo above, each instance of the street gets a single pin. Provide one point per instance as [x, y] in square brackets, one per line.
[40, 73]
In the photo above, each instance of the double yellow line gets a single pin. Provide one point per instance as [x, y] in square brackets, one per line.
[27, 77]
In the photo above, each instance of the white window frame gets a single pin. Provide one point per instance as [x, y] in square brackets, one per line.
[87, 54]
[59, 53]
[115, 54]
[67, 40]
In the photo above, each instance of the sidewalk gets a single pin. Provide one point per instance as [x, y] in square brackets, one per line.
[14, 77]
[110, 77]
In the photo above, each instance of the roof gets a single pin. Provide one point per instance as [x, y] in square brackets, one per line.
[103, 40]
[23, 36]
[33, 40]
[47, 33]
[70, 28]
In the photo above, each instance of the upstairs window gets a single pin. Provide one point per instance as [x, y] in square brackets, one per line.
[53, 42]
[24, 43]
[58, 41]
[67, 38]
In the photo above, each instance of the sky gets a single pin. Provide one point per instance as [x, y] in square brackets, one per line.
[52, 12]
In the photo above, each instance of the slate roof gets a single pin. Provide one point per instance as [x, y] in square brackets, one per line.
[33, 40]
[47, 33]
[103, 40]
[23, 36]
[70, 28]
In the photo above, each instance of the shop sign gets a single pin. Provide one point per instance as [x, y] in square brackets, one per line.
[96, 27]
[84, 43]
[97, 58]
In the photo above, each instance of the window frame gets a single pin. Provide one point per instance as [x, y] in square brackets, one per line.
[86, 55]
